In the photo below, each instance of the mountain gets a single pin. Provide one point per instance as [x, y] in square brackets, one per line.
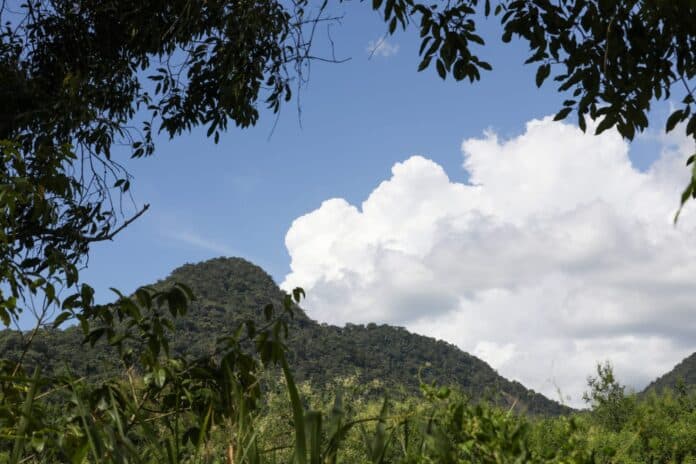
[230, 290]
[683, 373]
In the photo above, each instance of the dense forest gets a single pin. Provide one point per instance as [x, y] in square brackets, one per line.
[231, 290]
[215, 364]
[683, 375]
[372, 394]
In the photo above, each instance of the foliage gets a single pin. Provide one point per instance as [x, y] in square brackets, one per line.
[683, 375]
[442, 425]
[83, 83]
[159, 408]
[608, 398]
[612, 59]
[658, 428]
[78, 79]
[232, 291]
[231, 406]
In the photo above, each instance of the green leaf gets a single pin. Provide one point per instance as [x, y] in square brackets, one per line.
[424, 63]
[608, 121]
[160, 377]
[673, 120]
[5, 316]
[38, 442]
[424, 44]
[24, 421]
[581, 122]
[691, 126]
[143, 297]
[562, 114]
[268, 311]
[686, 194]
[459, 70]
[441, 71]
[297, 413]
[485, 65]
[298, 293]
[62, 317]
[542, 73]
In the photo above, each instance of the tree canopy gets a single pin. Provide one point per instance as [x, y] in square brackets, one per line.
[84, 82]
[81, 81]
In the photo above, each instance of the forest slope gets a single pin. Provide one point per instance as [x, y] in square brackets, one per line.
[230, 290]
[683, 373]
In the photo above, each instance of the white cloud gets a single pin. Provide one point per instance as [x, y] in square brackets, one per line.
[558, 254]
[382, 47]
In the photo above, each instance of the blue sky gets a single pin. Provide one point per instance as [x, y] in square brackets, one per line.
[562, 255]
[358, 118]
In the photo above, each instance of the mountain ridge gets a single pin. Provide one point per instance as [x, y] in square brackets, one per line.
[684, 373]
[231, 290]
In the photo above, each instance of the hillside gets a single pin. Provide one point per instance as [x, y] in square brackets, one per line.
[684, 373]
[230, 290]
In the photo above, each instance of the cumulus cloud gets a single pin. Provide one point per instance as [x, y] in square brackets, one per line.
[382, 47]
[555, 255]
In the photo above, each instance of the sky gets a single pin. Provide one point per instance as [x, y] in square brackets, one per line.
[455, 210]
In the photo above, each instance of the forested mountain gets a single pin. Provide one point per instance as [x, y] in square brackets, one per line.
[231, 290]
[683, 373]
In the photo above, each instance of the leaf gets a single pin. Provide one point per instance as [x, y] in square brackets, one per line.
[442, 72]
[542, 73]
[62, 317]
[562, 114]
[24, 421]
[313, 420]
[581, 122]
[298, 414]
[424, 63]
[608, 121]
[388, 7]
[143, 297]
[485, 65]
[5, 316]
[686, 194]
[38, 442]
[424, 44]
[298, 293]
[459, 70]
[691, 126]
[673, 120]
[160, 377]
[268, 311]
[379, 445]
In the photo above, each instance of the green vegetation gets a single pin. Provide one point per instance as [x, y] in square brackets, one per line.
[157, 386]
[76, 80]
[620, 428]
[167, 381]
[442, 425]
[683, 374]
[231, 291]
[241, 404]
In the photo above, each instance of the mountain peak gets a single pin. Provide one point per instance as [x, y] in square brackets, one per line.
[229, 291]
[219, 279]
